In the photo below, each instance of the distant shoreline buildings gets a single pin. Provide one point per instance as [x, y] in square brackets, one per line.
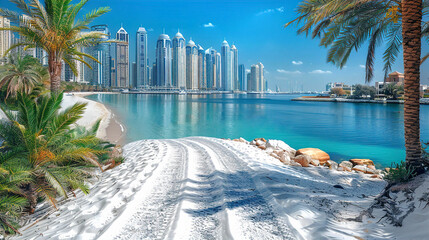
[177, 66]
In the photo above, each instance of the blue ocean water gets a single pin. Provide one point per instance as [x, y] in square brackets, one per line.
[344, 130]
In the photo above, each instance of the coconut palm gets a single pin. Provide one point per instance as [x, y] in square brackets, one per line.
[41, 140]
[344, 26]
[20, 74]
[54, 27]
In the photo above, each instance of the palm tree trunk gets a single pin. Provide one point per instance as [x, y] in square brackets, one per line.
[55, 75]
[411, 34]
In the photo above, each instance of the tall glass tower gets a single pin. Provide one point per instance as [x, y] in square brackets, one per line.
[241, 77]
[122, 59]
[226, 78]
[201, 68]
[100, 73]
[234, 60]
[163, 61]
[141, 58]
[191, 66]
[179, 61]
[262, 82]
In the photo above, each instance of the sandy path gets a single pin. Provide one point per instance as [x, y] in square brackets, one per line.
[206, 188]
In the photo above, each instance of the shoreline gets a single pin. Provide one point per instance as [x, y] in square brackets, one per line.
[111, 129]
[424, 101]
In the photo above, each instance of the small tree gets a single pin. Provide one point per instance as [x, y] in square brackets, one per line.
[338, 91]
[363, 90]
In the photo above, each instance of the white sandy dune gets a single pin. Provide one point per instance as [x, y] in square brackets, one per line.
[206, 188]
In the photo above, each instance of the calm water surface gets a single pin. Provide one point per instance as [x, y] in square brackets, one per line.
[344, 130]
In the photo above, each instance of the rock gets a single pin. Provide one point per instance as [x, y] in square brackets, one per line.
[280, 145]
[361, 162]
[269, 150]
[387, 169]
[275, 156]
[344, 169]
[376, 176]
[295, 164]
[303, 160]
[371, 167]
[285, 159]
[338, 186]
[346, 164]
[253, 143]
[314, 153]
[314, 162]
[261, 139]
[331, 164]
[364, 169]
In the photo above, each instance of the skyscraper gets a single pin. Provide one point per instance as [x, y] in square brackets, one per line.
[210, 69]
[261, 78]
[191, 66]
[134, 82]
[241, 77]
[141, 58]
[5, 36]
[179, 61]
[254, 83]
[122, 59]
[163, 61]
[226, 84]
[249, 81]
[201, 69]
[100, 72]
[218, 63]
[234, 68]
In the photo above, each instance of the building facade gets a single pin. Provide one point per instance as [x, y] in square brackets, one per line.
[141, 58]
[226, 67]
[122, 59]
[254, 85]
[100, 72]
[163, 61]
[241, 77]
[262, 86]
[191, 66]
[202, 84]
[234, 68]
[5, 37]
[179, 61]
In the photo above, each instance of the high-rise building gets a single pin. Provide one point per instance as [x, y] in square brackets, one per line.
[191, 66]
[179, 61]
[122, 59]
[5, 37]
[134, 82]
[141, 58]
[218, 63]
[210, 69]
[249, 81]
[153, 76]
[241, 77]
[234, 68]
[163, 61]
[226, 84]
[202, 84]
[262, 82]
[100, 72]
[254, 84]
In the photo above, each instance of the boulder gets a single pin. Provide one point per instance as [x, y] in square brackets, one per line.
[260, 139]
[285, 159]
[303, 160]
[361, 162]
[344, 169]
[314, 162]
[364, 169]
[295, 164]
[314, 153]
[331, 164]
[346, 164]
[280, 145]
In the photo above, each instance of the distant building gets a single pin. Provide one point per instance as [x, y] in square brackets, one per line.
[241, 77]
[134, 82]
[262, 86]
[5, 37]
[100, 72]
[226, 78]
[201, 69]
[142, 76]
[331, 85]
[234, 68]
[163, 61]
[395, 77]
[191, 66]
[254, 85]
[218, 71]
[179, 61]
[122, 59]
[249, 82]
[153, 76]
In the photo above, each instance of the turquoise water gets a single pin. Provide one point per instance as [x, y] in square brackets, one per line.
[344, 130]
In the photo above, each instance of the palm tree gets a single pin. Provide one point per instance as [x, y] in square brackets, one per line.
[54, 28]
[344, 26]
[42, 141]
[20, 74]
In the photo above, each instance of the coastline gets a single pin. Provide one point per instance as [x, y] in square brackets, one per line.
[423, 101]
[111, 129]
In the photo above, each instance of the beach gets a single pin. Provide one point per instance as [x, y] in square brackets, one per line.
[211, 188]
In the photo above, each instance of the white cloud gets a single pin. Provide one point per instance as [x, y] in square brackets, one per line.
[271, 10]
[320, 72]
[297, 62]
[209, 25]
[150, 30]
[362, 66]
[288, 72]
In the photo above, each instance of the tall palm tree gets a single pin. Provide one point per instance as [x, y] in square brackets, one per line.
[344, 26]
[54, 27]
[20, 74]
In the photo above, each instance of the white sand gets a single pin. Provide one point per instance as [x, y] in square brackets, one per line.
[206, 188]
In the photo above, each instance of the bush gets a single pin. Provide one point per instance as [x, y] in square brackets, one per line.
[399, 172]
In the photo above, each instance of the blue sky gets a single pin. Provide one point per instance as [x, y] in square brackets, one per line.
[256, 28]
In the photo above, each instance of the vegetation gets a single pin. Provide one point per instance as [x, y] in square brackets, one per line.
[338, 91]
[53, 26]
[344, 26]
[43, 156]
[393, 91]
[362, 90]
[400, 172]
[20, 74]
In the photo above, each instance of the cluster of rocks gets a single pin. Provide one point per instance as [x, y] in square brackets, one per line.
[311, 157]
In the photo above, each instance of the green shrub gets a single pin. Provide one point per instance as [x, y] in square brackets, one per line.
[399, 172]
